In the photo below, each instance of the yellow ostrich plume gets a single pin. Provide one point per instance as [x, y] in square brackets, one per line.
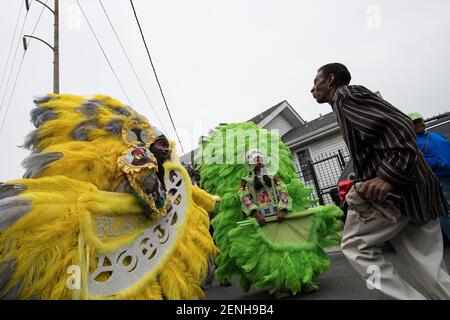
[75, 209]
[59, 232]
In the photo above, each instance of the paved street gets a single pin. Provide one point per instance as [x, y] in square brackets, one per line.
[339, 282]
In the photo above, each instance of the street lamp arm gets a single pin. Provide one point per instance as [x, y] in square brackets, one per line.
[45, 42]
[46, 6]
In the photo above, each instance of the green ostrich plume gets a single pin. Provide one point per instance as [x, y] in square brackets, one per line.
[245, 250]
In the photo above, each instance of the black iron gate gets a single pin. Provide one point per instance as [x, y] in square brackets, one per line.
[322, 174]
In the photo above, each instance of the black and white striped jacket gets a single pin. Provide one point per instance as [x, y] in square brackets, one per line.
[382, 143]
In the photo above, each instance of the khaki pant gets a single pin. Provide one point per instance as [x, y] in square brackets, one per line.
[419, 247]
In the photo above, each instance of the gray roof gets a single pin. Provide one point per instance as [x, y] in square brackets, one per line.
[309, 127]
[330, 118]
[438, 119]
[260, 117]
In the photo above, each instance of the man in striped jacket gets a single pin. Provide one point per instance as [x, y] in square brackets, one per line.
[383, 147]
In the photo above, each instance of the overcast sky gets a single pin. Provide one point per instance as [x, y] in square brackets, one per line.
[227, 60]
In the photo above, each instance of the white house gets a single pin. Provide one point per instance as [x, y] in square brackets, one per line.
[313, 141]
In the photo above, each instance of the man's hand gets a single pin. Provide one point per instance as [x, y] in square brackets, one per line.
[259, 217]
[375, 189]
[281, 214]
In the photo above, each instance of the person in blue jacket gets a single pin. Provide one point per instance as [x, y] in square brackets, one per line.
[436, 149]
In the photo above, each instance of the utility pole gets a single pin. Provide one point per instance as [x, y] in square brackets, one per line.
[55, 47]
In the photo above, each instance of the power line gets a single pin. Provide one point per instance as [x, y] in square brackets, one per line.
[156, 76]
[12, 93]
[104, 53]
[131, 65]
[18, 73]
[12, 65]
[11, 46]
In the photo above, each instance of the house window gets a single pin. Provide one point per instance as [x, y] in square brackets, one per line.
[305, 171]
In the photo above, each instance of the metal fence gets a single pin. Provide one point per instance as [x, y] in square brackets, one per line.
[322, 173]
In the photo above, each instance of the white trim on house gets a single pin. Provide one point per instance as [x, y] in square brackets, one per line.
[271, 116]
[296, 121]
[297, 117]
[313, 136]
[296, 160]
[295, 155]
[438, 125]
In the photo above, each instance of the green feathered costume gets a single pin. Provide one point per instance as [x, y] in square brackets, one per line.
[278, 255]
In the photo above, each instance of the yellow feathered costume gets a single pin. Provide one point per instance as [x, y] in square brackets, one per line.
[91, 219]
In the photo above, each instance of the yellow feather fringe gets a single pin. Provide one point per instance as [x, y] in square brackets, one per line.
[58, 232]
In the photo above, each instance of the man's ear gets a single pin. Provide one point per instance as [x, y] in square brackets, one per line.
[331, 79]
